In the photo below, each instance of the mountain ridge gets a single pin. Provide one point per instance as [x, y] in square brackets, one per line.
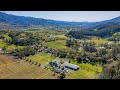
[20, 20]
[27, 21]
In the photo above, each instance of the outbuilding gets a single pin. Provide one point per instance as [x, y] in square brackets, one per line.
[55, 63]
[71, 66]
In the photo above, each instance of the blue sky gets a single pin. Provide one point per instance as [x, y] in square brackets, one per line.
[76, 16]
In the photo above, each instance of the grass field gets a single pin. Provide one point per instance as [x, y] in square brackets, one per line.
[98, 41]
[9, 47]
[41, 58]
[86, 71]
[13, 47]
[89, 67]
[59, 44]
[22, 70]
[81, 74]
[7, 37]
[2, 44]
[60, 36]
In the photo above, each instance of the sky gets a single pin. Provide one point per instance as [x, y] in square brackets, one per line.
[75, 16]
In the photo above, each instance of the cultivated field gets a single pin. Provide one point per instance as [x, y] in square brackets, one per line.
[11, 69]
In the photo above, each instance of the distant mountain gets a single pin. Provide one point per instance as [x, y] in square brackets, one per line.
[112, 24]
[102, 29]
[114, 20]
[22, 21]
[8, 21]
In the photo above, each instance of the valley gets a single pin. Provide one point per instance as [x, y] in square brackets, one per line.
[58, 49]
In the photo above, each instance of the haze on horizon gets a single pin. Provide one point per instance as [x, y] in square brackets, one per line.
[75, 16]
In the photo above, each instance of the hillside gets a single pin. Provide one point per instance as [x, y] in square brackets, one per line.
[22, 21]
[103, 28]
[107, 24]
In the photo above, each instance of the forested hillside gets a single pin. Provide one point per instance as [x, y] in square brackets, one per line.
[21, 21]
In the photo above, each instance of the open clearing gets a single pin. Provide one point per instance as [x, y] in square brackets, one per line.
[13, 47]
[10, 47]
[60, 36]
[59, 44]
[41, 58]
[81, 74]
[86, 71]
[97, 41]
[22, 70]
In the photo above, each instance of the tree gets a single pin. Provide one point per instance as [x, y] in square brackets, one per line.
[4, 48]
[69, 43]
[115, 51]
[101, 52]
[21, 54]
[79, 59]
[89, 47]
[104, 59]
[62, 75]
[62, 53]
[112, 73]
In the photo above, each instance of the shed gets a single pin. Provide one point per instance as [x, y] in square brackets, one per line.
[71, 66]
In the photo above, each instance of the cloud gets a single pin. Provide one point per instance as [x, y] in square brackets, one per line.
[76, 16]
[80, 18]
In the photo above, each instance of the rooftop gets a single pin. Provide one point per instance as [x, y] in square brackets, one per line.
[71, 65]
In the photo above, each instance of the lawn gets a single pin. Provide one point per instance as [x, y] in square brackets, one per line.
[41, 58]
[88, 67]
[81, 74]
[97, 41]
[86, 71]
[59, 44]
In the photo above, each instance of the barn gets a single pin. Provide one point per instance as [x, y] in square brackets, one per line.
[71, 66]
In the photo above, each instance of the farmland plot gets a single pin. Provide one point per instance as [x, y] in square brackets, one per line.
[23, 70]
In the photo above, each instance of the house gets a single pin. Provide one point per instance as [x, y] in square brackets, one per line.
[55, 63]
[23, 38]
[47, 51]
[71, 66]
[101, 47]
[63, 67]
[1, 50]
[110, 43]
[80, 48]
[2, 38]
